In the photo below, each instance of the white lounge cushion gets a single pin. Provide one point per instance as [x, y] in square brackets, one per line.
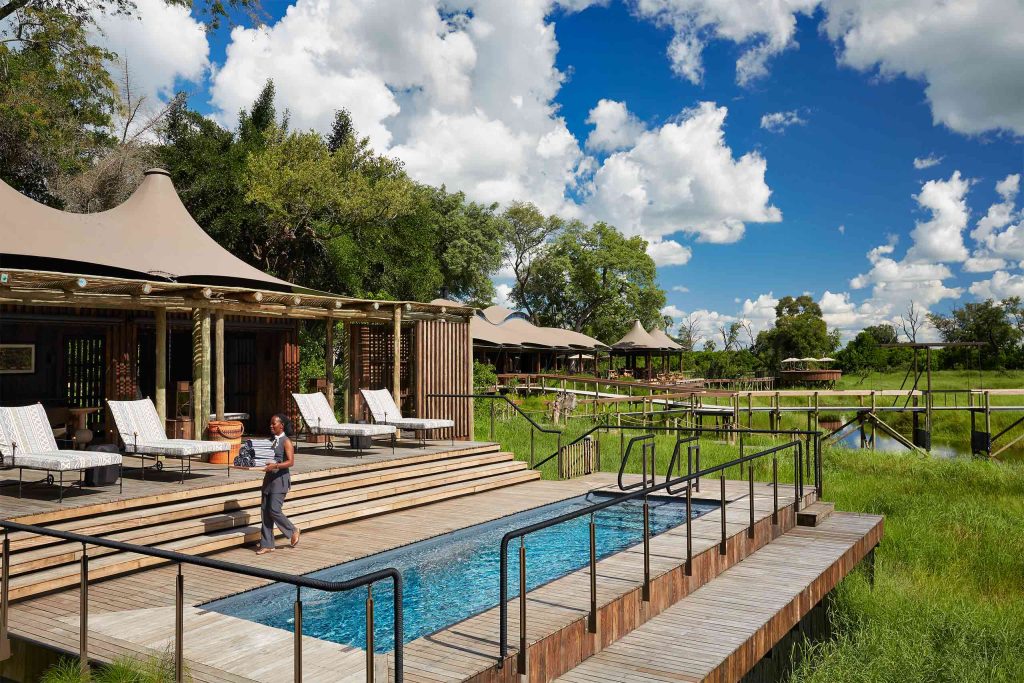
[319, 418]
[417, 423]
[141, 432]
[25, 429]
[180, 448]
[62, 461]
[384, 410]
[352, 429]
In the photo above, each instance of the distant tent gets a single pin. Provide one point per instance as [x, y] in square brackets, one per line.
[637, 339]
[659, 336]
[792, 360]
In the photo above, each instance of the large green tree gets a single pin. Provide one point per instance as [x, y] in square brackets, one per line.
[997, 324]
[799, 331]
[57, 101]
[593, 279]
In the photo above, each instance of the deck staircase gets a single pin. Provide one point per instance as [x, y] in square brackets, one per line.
[208, 520]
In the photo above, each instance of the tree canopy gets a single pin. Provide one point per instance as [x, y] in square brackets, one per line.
[592, 279]
[799, 332]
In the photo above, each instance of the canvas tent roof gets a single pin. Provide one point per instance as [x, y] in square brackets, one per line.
[151, 236]
[637, 339]
[514, 331]
[659, 335]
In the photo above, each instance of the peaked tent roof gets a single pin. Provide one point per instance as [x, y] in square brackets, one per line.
[151, 236]
[637, 339]
[659, 336]
[513, 330]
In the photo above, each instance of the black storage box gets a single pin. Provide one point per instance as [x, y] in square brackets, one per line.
[360, 442]
[105, 475]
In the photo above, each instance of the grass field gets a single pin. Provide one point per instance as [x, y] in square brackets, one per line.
[948, 604]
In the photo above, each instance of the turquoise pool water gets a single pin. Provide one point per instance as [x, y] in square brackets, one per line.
[456, 575]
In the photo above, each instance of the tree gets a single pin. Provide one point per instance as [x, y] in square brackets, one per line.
[911, 322]
[864, 353]
[527, 230]
[730, 334]
[84, 11]
[594, 280]
[690, 330]
[800, 331]
[57, 101]
[988, 322]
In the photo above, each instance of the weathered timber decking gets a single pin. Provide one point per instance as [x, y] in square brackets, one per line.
[134, 615]
[720, 631]
[39, 504]
[557, 612]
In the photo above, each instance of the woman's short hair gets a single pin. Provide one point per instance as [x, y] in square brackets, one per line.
[286, 422]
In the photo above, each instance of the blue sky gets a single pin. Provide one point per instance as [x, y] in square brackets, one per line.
[500, 101]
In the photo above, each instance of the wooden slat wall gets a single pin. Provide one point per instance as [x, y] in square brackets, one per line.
[443, 353]
[289, 371]
[372, 349]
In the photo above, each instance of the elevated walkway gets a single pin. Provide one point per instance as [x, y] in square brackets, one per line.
[722, 629]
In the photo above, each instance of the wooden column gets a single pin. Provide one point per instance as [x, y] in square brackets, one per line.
[160, 399]
[349, 373]
[396, 350]
[207, 372]
[218, 349]
[329, 360]
[197, 371]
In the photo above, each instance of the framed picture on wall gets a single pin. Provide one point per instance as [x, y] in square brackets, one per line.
[17, 359]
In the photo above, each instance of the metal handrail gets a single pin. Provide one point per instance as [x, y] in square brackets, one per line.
[575, 441]
[299, 582]
[643, 458]
[689, 458]
[522, 532]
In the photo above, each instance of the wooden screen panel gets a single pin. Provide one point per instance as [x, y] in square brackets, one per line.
[443, 366]
[85, 373]
[240, 376]
[372, 349]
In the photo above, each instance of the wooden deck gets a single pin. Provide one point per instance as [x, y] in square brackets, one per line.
[39, 503]
[721, 630]
[132, 614]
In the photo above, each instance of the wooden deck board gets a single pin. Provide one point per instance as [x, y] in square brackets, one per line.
[703, 636]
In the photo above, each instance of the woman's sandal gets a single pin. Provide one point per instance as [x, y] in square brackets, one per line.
[295, 538]
[264, 551]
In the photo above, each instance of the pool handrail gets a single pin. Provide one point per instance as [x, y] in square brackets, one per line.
[522, 532]
[299, 582]
[646, 448]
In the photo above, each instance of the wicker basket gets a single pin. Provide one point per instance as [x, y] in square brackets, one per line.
[230, 431]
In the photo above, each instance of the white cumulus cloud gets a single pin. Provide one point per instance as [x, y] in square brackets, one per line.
[764, 29]
[615, 127]
[777, 122]
[967, 53]
[921, 163]
[161, 44]
[669, 253]
[683, 177]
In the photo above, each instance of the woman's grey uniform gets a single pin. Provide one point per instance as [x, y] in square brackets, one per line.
[275, 487]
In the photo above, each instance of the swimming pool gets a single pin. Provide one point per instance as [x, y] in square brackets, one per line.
[454, 576]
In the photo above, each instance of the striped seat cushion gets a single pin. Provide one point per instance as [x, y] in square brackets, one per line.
[179, 448]
[25, 429]
[417, 423]
[61, 461]
[352, 429]
[384, 410]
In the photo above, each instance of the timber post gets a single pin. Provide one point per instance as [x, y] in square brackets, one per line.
[160, 400]
[218, 349]
[207, 375]
[197, 370]
[329, 361]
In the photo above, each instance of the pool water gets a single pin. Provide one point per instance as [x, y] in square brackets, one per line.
[456, 575]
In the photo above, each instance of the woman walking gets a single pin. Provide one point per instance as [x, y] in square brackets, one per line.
[276, 483]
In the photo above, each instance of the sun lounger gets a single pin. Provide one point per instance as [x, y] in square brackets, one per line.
[143, 433]
[384, 411]
[318, 416]
[27, 443]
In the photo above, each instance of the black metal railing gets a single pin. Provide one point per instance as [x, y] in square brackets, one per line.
[647, 455]
[180, 559]
[521, 533]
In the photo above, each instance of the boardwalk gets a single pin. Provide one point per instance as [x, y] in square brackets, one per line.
[722, 629]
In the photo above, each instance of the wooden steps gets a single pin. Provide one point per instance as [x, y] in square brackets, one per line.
[722, 629]
[815, 513]
[224, 520]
